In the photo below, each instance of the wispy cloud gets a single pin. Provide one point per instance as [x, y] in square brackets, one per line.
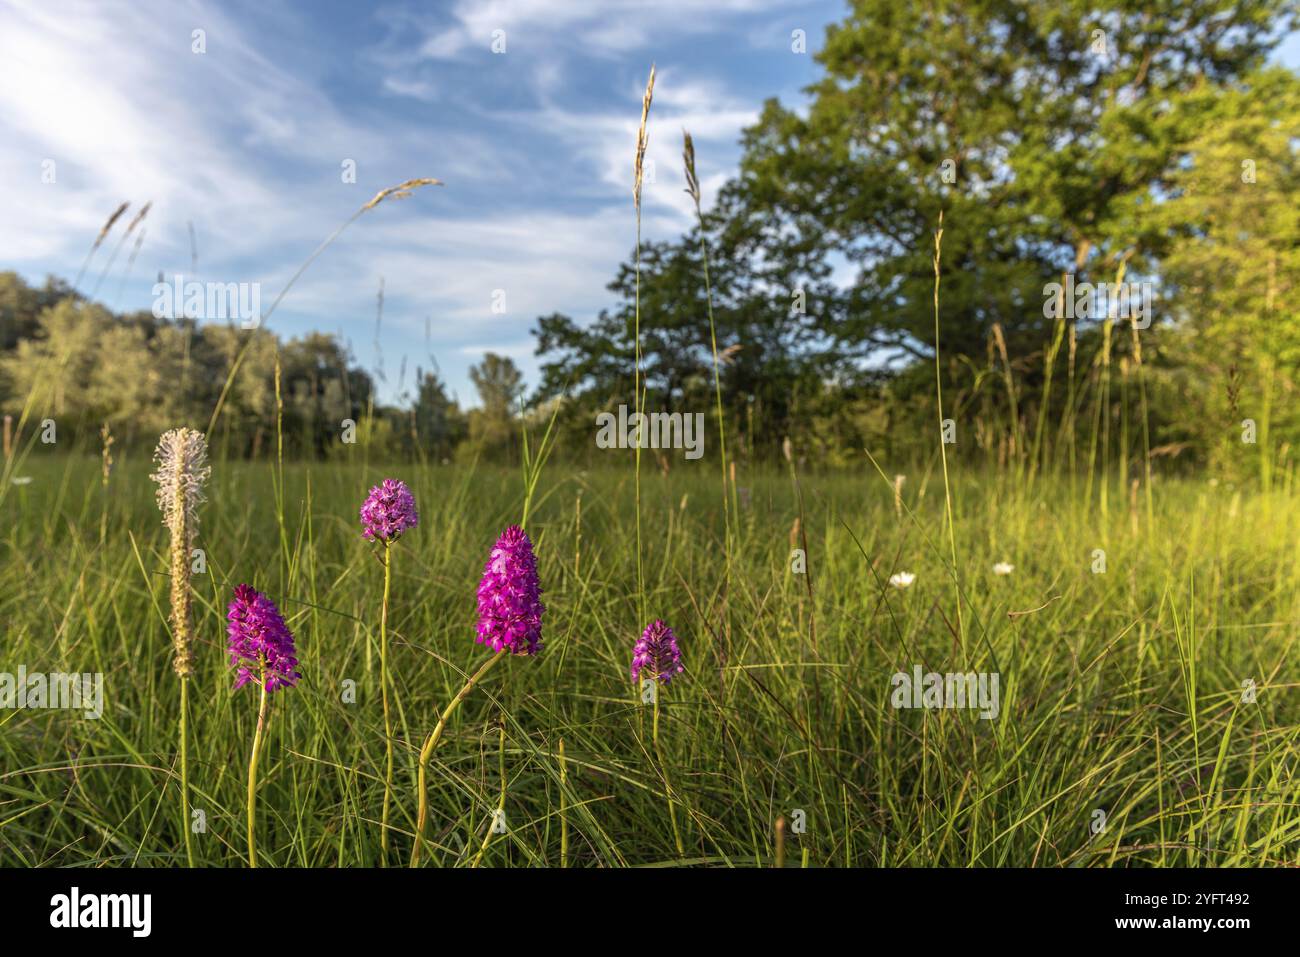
[549, 26]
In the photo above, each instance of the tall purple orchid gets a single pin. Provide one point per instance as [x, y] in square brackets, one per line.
[262, 651]
[388, 511]
[656, 660]
[509, 622]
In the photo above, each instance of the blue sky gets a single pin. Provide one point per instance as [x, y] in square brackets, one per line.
[246, 141]
[535, 146]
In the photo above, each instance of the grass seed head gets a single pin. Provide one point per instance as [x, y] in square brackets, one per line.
[688, 161]
[400, 191]
[108, 224]
[642, 139]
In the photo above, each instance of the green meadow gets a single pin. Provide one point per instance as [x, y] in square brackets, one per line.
[1145, 713]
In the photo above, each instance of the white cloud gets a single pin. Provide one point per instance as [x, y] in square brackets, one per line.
[515, 351]
[450, 268]
[617, 25]
[418, 89]
[246, 150]
[607, 143]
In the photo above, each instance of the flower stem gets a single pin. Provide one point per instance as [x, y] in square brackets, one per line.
[185, 772]
[388, 721]
[432, 742]
[252, 773]
[663, 769]
[501, 805]
[564, 817]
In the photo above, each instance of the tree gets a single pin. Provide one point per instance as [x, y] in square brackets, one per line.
[21, 306]
[1034, 127]
[82, 365]
[767, 357]
[1231, 272]
[500, 384]
[317, 391]
[439, 423]
[1044, 132]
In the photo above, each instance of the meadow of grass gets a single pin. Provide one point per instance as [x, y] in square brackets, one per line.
[1121, 691]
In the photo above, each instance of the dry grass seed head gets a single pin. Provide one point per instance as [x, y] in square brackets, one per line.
[401, 190]
[108, 224]
[642, 139]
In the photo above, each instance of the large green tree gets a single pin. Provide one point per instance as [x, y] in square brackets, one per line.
[1034, 127]
[1230, 272]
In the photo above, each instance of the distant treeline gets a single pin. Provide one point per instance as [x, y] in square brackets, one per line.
[83, 366]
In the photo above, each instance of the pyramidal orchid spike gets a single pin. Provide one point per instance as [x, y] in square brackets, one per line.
[388, 511]
[260, 643]
[509, 604]
[656, 655]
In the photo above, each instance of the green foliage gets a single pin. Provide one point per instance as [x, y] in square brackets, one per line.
[1232, 273]
[439, 423]
[84, 366]
[20, 305]
[492, 428]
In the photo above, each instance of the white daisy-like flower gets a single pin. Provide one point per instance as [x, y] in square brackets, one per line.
[21, 480]
[901, 579]
[1003, 568]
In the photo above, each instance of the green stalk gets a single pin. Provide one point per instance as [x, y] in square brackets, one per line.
[1049, 364]
[663, 769]
[426, 751]
[501, 804]
[388, 721]
[693, 189]
[564, 807]
[185, 772]
[252, 771]
[1104, 472]
[1146, 423]
[637, 393]
[943, 448]
[638, 381]
[713, 345]
[279, 474]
